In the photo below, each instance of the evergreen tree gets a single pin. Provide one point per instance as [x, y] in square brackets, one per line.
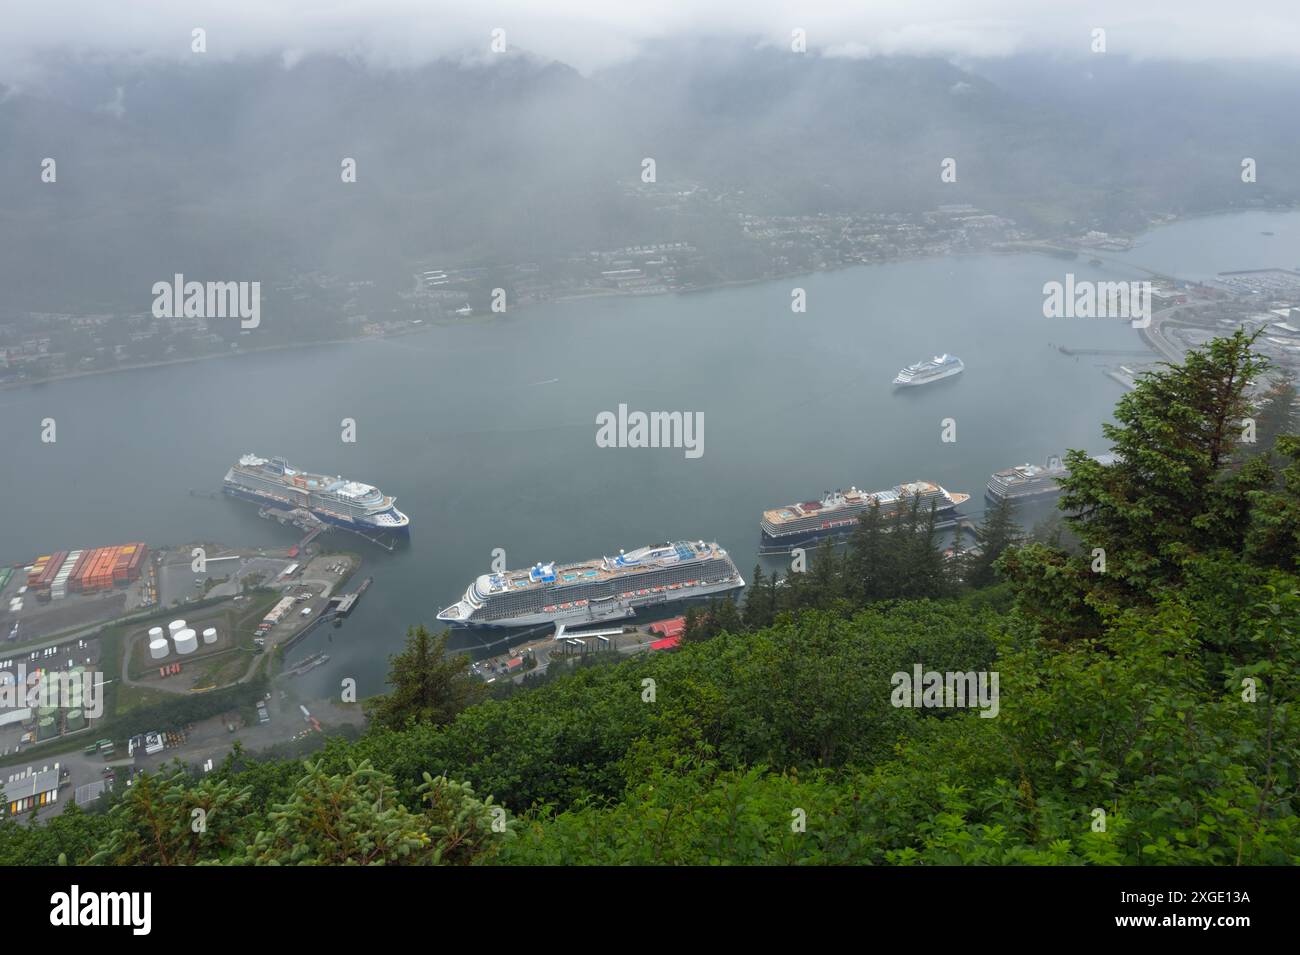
[697, 624]
[726, 616]
[1167, 494]
[826, 576]
[429, 685]
[893, 575]
[1275, 414]
[1171, 497]
[996, 532]
[705, 623]
[867, 555]
[760, 601]
[1273, 539]
[930, 575]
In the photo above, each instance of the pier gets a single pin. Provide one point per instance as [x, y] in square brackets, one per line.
[336, 609]
[343, 605]
[1115, 352]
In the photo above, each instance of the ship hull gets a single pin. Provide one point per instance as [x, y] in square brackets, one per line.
[360, 527]
[613, 610]
[998, 496]
[770, 544]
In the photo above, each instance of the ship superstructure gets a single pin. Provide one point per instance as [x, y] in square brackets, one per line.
[601, 589]
[935, 369]
[835, 513]
[334, 500]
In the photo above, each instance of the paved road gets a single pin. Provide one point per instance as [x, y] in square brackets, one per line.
[1154, 334]
[208, 739]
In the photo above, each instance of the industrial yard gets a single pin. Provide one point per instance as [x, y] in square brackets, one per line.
[177, 651]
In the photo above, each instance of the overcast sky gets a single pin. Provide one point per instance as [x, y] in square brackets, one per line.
[592, 33]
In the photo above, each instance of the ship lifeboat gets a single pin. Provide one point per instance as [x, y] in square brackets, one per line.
[549, 608]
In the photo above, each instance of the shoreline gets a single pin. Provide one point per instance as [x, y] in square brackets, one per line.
[599, 293]
[427, 324]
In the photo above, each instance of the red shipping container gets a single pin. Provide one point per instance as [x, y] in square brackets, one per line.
[74, 582]
[51, 570]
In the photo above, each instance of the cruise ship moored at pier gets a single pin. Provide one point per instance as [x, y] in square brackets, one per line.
[334, 500]
[589, 591]
[836, 513]
[1031, 482]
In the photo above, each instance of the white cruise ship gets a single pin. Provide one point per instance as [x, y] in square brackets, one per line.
[835, 515]
[334, 500]
[924, 372]
[1029, 481]
[590, 591]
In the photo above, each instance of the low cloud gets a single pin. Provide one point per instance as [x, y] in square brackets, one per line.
[589, 34]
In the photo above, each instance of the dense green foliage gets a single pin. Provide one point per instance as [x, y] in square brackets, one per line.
[1146, 708]
[430, 686]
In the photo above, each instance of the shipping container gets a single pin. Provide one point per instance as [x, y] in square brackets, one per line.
[36, 569]
[74, 579]
[50, 570]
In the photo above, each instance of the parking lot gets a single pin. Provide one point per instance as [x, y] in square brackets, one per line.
[179, 582]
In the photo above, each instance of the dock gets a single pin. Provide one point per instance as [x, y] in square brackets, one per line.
[1118, 352]
[342, 605]
[336, 609]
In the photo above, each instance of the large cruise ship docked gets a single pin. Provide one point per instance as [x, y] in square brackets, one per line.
[836, 513]
[1029, 481]
[924, 372]
[602, 589]
[334, 500]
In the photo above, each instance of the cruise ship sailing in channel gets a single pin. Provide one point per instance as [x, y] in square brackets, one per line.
[835, 515]
[924, 372]
[595, 590]
[335, 500]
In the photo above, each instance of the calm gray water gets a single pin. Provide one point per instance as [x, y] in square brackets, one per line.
[486, 431]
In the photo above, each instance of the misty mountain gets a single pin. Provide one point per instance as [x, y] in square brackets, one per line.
[232, 169]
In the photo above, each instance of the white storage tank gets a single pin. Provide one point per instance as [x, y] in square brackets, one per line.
[210, 635]
[175, 627]
[155, 633]
[159, 648]
[186, 641]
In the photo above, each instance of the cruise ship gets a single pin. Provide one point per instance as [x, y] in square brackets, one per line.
[1029, 481]
[924, 372]
[590, 591]
[836, 513]
[334, 500]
